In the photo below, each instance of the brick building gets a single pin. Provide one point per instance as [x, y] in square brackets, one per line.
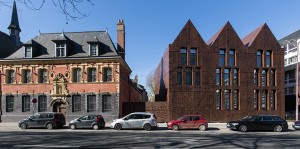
[223, 79]
[74, 73]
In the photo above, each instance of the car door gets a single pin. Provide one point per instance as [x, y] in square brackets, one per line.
[267, 123]
[256, 124]
[138, 120]
[81, 122]
[128, 121]
[89, 121]
[33, 121]
[197, 122]
[186, 123]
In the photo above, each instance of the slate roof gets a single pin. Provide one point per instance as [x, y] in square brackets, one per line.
[247, 40]
[216, 35]
[7, 47]
[44, 45]
[295, 35]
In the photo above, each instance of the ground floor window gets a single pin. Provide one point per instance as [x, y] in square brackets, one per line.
[42, 103]
[25, 103]
[106, 103]
[76, 103]
[91, 103]
[9, 103]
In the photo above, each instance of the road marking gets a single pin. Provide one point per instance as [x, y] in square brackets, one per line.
[48, 146]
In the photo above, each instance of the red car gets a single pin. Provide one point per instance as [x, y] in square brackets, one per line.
[188, 122]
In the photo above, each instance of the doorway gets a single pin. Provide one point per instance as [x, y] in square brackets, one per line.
[59, 107]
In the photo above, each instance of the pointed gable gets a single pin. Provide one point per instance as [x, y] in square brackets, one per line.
[248, 40]
[225, 37]
[189, 35]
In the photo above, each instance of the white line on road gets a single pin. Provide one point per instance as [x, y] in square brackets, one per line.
[48, 146]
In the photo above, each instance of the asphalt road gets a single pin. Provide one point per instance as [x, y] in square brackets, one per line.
[214, 137]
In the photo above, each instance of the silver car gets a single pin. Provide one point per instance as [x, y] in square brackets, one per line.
[142, 120]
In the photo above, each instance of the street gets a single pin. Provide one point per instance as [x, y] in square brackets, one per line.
[14, 137]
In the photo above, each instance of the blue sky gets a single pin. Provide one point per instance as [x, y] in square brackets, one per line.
[153, 24]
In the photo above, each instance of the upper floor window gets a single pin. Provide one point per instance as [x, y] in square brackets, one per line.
[255, 100]
[10, 76]
[26, 76]
[259, 58]
[222, 57]
[227, 99]
[264, 100]
[218, 100]
[60, 49]
[235, 100]
[43, 76]
[183, 56]
[197, 76]
[93, 49]
[76, 103]
[272, 78]
[231, 61]
[91, 103]
[264, 77]
[268, 58]
[255, 77]
[218, 76]
[107, 74]
[106, 103]
[272, 100]
[92, 75]
[188, 76]
[179, 76]
[9, 103]
[235, 76]
[28, 52]
[226, 76]
[76, 75]
[193, 56]
[42, 103]
[25, 103]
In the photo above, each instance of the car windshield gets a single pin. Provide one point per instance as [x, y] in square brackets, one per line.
[248, 118]
[180, 118]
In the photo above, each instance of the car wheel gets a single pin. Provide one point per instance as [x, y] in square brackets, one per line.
[49, 126]
[23, 126]
[175, 127]
[95, 127]
[73, 126]
[147, 127]
[202, 128]
[118, 126]
[278, 128]
[243, 128]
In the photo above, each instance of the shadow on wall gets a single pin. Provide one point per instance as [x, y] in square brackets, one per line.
[162, 95]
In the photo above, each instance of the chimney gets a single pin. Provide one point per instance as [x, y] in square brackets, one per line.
[121, 38]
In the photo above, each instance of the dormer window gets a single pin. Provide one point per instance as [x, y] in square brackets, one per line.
[60, 49]
[28, 52]
[93, 49]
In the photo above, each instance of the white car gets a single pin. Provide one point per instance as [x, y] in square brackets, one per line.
[142, 120]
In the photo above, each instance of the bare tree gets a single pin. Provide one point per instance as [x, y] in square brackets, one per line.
[69, 8]
[150, 84]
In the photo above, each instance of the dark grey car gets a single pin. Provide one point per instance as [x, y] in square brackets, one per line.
[43, 120]
[88, 121]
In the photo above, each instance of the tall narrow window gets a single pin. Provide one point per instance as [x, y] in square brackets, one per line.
[188, 76]
[60, 49]
[255, 100]
[93, 49]
[25, 103]
[92, 75]
[183, 56]
[42, 103]
[218, 100]
[43, 76]
[91, 103]
[222, 57]
[255, 77]
[10, 76]
[28, 52]
[268, 58]
[264, 100]
[231, 61]
[179, 76]
[76, 103]
[26, 76]
[193, 56]
[272, 78]
[226, 76]
[106, 103]
[258, 59]
[235, 100]
[272, 100]
[227, 99]
[10, 103]
[197, 76]
[264, 77]
[76, 75]
[107, 74]
[218, 77]
[236, 76]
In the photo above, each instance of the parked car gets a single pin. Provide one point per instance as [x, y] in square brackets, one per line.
[188, 122]
[296, 125]
[88, 121]
[142, 120]
[259, 122]
[47, 120]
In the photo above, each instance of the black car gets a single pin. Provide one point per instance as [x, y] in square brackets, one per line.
[88, 121]
[43, 120]
[259, 122]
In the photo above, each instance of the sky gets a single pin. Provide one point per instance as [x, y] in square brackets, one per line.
[151, 25]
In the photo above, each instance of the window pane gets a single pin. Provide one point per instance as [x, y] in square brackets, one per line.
[222, 58]
[93, 48]
[255, 78]
[258, 58]
[43, 76]
[218, 100]
[92, 75]
[227, 76]
[91, 101]
[188, 76]
[9, 103]
[272, 78]
[107, 74]
[25, 103]
[235, 100]
[218, 77]
[183, 56]
[231, 58]
[264, 77]
[255, 100]
[76, 103]
[10, 76]
[26, 76]
[76, 75]
[272, 100]
[264, 100]
[28, 52]
[227, 100]
[42, 103]
[235, 77]
[268, 58]
[193, 56]
[106, 103]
